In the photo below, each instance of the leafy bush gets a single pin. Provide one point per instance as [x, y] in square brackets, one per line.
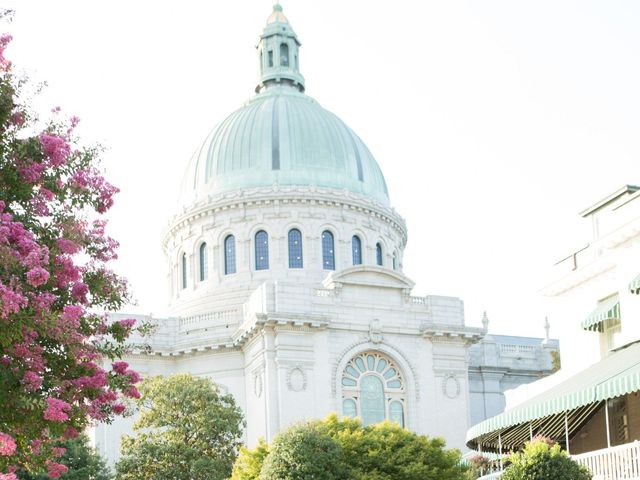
[384, 451]
[303, 452]
[544, 460]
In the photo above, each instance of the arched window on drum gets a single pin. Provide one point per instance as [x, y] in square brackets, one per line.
[356, 250]
[373, 389]
[262, 250]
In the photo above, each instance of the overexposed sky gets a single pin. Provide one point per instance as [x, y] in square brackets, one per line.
[494, 121]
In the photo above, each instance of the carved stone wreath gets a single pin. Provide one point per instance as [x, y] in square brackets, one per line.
[296, 379]
[450, 386]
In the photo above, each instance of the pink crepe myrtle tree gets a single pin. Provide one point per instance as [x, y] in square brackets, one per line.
[55, 286]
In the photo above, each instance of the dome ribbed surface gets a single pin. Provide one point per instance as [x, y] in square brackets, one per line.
[283, 137]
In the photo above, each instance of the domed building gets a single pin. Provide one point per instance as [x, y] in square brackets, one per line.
[286, 281]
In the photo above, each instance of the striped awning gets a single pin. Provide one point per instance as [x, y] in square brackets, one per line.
[608, 309]
[575, 399]
[634, 286]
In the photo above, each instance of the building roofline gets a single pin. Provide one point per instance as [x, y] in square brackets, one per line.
[608, 199]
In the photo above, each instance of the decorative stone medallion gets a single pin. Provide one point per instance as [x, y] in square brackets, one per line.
[296, 379]
[451, 386]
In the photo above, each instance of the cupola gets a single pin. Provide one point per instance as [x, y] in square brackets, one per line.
[278, 53]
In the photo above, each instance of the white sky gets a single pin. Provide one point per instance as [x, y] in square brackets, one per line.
[494, 121]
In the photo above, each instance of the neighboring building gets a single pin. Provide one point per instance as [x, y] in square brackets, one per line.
[592, 406]
[286, 281]
[499, 363]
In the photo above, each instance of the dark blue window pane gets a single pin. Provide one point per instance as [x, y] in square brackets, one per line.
[328, 255]
[262, 250]
[183, 268]
[204, 267]
[229, 255]
[295, 248]
[379, 254]
[356, 250]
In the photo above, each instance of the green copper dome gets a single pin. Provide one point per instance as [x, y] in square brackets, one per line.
[282, 136]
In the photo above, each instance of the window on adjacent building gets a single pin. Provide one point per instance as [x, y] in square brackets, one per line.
[183, 270]
[284, 55]
[373, 389]
[229, 255]
[328, 254]
[295, 248]
[378, 254]
[262, 250]
[356, 250]
[203, 262]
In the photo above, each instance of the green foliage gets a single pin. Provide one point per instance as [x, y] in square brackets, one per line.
[542, 460]
[82, 460]
[303, 452]
[187, 430]
[249, 462]
[384, 451]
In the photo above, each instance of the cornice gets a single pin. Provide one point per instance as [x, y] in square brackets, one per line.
[276, 195]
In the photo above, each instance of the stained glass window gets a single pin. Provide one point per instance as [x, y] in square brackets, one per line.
[229, 255]
[328, 254]
[378, 254]
[295, 248]
[262, 250]
[203, 261]
[349, 408]
[373, 388]
[356, 250]
[396, 412]
[371, 400]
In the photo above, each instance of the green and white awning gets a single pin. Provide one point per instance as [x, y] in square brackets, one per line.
[573, 401]
[634, 286]
[608, 309]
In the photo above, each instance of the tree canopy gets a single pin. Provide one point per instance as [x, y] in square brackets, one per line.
[187, 430]
[54, 278]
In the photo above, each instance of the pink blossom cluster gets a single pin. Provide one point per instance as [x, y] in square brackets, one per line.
[5, 64]
[90, 179]
[7, 444]
[55, 148]
[57, 410]
[55, 470]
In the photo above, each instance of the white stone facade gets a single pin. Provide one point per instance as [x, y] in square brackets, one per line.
[297, 328]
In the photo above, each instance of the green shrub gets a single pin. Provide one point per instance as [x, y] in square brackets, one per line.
[303, 452]
[544, 460]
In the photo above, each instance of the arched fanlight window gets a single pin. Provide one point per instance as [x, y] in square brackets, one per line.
[295, 248]
[262, 250]
[183, 271]
[356, 250]
[395, 260]
[378, 254]
[328, 254]
[284, 55]
[203, 271]
[229, 255]
[373, 389]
